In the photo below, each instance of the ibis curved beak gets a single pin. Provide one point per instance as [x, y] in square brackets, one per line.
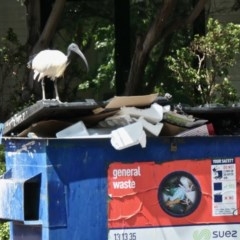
[78, 51]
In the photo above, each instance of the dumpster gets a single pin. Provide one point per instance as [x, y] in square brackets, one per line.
[173, 189]
[136, 183]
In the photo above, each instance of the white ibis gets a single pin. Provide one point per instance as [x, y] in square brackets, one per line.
[52, 64]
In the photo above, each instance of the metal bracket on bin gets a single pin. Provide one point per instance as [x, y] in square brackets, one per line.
[173, 146]
[175, 142]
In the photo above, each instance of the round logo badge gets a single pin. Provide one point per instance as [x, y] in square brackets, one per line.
[179, 194]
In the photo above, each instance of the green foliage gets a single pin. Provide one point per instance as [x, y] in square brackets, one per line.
[4, 231]
[90, 25]
[202, 68]
[104, 45]
[12, 65]
[11, 51]
[142, 14]
[102, 75]
[2, 163]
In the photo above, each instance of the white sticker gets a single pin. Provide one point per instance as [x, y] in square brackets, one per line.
[224, 187]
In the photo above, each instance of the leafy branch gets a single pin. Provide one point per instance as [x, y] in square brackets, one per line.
[203, 67]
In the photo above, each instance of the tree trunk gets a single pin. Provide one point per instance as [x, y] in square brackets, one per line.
[139, 62]
[33, 22]
[144, 47]
[122, 43]
[50, 27]
[160, 29]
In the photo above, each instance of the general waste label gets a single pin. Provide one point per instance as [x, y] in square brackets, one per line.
[171, 200]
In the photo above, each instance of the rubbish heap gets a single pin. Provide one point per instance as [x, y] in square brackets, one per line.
[126, 121]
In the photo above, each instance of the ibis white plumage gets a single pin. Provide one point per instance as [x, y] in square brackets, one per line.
[52, 64]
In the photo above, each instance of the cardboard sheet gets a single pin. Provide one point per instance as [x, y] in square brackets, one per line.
[128, 101]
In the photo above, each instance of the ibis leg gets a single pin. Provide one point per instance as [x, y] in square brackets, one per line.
[56, 90]
[43, 89]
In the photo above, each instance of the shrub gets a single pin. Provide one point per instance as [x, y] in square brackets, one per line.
[202, 68]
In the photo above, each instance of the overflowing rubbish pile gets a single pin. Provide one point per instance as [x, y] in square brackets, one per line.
[127, 121]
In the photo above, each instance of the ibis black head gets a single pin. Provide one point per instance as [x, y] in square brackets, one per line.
[73, 47]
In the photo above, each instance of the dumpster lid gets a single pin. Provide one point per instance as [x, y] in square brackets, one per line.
[46, 110]
[89, 111]
[212, 109]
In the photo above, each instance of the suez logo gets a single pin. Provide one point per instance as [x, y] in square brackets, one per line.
[207, 234]
[226, 234]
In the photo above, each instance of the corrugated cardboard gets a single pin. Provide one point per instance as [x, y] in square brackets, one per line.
[128, 101]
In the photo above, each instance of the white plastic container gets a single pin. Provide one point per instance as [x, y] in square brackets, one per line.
[76, 130]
